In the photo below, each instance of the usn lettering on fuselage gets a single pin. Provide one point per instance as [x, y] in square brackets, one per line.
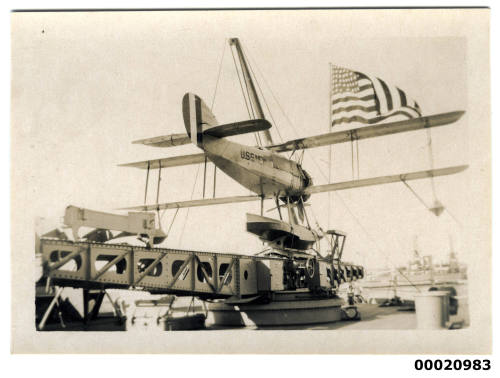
[251, 156]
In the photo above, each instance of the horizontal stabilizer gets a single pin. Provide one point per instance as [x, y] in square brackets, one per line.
[230, 129]
[171, 140]
[175, 161]
[243, 127]
[385, 179]
[309, 190]
[369, 132]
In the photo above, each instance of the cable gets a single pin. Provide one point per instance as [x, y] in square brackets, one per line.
[187, 212]
[431, 160]
[415, 194]
[257, 138]
[452, 216]
[248, 92]
[363, 228]
[211, 108]
[241, 85]
[262, 94]
[173, 219]
[374, 243]
[218, 75]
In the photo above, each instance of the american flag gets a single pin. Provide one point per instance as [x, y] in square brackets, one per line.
[356, 97]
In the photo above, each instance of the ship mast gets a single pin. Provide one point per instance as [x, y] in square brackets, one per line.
[252, 93]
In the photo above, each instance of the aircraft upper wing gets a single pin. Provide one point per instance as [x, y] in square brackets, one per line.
[171, 140]
[368, 132]
[309, 190]
[175, 161]
[385, 179]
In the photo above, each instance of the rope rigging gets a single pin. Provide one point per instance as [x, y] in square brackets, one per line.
[437, 207]
[246, 97]
[218, 75]
[241, 85]
[187, 212]
[365, 231]
[205, 162]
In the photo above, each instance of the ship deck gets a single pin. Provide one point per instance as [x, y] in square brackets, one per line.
[373, 317]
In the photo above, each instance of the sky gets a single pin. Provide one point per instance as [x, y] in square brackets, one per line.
[87, 84]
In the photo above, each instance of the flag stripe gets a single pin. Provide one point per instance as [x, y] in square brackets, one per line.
[354, 98]
[387, 93]
[398, 112]
[402, 97]
[355, 107]
[365, 87]
[360, 113]
[350, 119]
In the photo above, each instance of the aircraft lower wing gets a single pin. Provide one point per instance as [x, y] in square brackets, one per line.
[310, 190]
[368, 132]
[175, 161]
[194, 203]
[385, 179]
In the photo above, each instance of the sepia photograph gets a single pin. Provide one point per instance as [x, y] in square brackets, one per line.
[251, 181]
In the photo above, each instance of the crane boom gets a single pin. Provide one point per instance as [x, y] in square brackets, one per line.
[252, 93]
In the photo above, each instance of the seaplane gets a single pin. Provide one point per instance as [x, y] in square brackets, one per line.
[290, 281]
[264, 170]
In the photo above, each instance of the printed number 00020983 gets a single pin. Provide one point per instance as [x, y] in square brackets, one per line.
[452, 364]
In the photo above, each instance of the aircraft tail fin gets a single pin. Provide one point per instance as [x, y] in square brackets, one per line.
[197, 117]
[199, 121]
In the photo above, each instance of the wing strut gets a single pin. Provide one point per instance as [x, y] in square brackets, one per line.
[147, 181]
[215, 178]
[204, 176]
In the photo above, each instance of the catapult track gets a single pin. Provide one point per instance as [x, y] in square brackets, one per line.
[172, 271]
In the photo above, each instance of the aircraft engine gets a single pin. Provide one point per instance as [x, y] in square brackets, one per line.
[306, 182]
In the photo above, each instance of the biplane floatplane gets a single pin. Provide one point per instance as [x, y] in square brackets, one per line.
[267, 173]
[287, 273]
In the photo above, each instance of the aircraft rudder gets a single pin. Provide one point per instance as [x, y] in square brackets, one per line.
[197, 117]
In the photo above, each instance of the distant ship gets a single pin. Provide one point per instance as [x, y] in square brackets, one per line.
[419, 275]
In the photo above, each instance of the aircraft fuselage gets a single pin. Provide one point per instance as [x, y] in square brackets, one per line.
[261, 171]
